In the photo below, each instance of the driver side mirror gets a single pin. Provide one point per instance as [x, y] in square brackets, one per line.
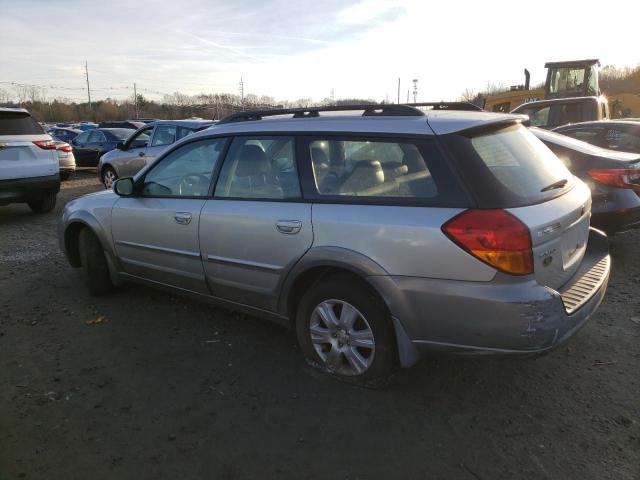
[124, 187]
[120, 145]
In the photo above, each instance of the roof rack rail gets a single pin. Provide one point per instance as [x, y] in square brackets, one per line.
[465, 106]
[383, 110]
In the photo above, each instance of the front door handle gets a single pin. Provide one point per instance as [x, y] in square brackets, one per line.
[182, 218]
[290, 227]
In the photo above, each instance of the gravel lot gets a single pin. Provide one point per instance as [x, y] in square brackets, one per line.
[142, 385]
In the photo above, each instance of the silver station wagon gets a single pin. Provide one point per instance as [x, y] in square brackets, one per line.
[379, 232]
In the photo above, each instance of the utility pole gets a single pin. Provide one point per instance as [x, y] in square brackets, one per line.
[135, 99]
[398, 89]
[86, 73]
[242, 93]
[407, 96]
[415, 90]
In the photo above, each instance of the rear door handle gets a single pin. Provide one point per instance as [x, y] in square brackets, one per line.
[141, 154]
[290, 227]
[182, 218]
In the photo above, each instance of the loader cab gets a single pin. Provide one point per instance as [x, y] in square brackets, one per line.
[577, 78]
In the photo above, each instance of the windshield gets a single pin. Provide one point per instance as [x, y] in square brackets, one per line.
[567, 81]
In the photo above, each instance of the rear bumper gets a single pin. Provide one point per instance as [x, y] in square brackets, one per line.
[502, 317]
[617, 221]
[24, 189]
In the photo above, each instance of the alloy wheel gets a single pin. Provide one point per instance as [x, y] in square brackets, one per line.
[342, 337]
[108, 177]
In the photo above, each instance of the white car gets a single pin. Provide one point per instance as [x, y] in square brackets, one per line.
[66, 159]
[29, 165]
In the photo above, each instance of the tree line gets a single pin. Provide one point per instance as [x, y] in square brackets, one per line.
[175, 106]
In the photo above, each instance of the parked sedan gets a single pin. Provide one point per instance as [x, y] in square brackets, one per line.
[64, 134]
[620, 135]
[143, 146]
[66, 160]
[614, 179]
[89, 146]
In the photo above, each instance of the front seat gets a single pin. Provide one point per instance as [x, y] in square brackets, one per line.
[253, 177]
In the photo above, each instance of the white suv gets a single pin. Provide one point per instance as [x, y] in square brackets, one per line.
[29, 170]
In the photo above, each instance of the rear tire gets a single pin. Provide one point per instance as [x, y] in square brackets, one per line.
[94, 263]
[109, 176]
[43, 204]
[361, 351]
[65, 176]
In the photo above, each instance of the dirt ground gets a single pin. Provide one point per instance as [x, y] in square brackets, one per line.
[143, 385]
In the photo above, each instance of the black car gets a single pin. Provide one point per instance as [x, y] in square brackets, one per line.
[89, 146]
[619, 135]
[613, 177]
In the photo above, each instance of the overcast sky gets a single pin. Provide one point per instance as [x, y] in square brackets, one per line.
[296, 49]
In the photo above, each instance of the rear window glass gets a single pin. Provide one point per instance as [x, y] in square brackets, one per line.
[524, 167]
[18, 123]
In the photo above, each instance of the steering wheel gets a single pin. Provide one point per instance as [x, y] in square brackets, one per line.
[192, 183]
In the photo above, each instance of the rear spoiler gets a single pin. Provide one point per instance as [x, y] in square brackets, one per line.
[512, 119]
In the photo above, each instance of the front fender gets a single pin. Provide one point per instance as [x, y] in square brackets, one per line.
[92, 211]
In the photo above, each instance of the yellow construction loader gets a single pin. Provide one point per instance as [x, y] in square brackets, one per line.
[577, 78]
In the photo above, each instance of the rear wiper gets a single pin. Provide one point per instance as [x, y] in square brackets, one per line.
[554, 185]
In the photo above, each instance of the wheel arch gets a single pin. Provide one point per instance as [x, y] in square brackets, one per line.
[319, 262]
[72, 229]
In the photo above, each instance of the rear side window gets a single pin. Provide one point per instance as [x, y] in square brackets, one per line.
[623, 141]
[18, 123]
[509, 167]
[370, 169]
[588, 135]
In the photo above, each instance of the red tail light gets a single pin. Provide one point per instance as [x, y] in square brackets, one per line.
[65, 147]
[45, 144]
[494, 236]
[617, 177]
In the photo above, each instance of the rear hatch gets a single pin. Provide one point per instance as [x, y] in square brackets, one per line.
[507, 167]
[20, 157]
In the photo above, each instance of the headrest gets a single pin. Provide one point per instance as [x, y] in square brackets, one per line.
[252, 161]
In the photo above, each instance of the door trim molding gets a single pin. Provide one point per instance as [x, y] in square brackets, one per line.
[145, 246]
[244, 263]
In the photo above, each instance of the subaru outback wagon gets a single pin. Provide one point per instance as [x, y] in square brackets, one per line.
[380, 233]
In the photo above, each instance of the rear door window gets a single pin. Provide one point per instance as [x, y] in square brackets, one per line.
[18, 123]
[376, 170]
[370, 169]
[589, 135]
[163, 135]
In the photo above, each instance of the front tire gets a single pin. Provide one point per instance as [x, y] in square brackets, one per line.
[94, 263]
[343, 327]
[44, 203]
[109, 176]
[64, 176]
